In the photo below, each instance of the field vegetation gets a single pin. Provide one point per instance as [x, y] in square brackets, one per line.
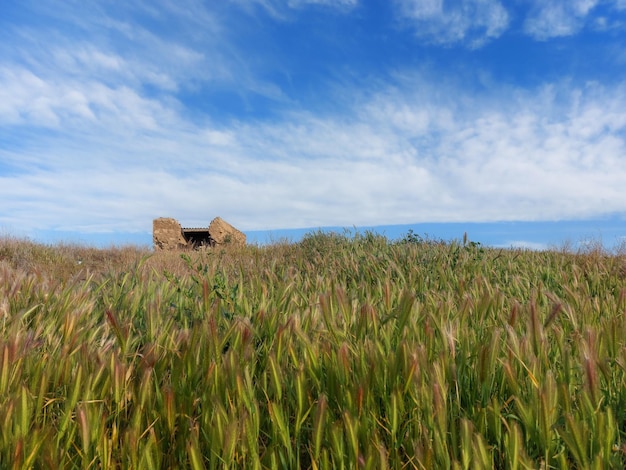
[338, 351]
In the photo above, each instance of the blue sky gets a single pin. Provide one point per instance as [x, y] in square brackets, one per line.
[286, 114]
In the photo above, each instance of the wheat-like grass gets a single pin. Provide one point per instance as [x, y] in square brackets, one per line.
[341, 351]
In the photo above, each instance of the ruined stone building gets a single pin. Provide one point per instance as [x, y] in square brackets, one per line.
[168, 234]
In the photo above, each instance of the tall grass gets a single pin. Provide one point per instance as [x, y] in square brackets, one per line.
[341, 351]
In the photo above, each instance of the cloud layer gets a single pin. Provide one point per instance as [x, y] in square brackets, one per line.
[396, 156]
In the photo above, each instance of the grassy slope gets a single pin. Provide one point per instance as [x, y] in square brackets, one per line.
[334, 352]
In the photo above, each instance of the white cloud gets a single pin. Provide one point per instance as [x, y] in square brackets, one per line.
[399, 155]
[51, 102]
[476, 22]
[471, 22]
[554, 18]
[121, 53]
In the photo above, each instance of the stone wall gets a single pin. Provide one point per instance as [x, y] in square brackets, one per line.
[167, 234]
[222, 233]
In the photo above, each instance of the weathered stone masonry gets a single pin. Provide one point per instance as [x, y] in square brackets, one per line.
[167, 234]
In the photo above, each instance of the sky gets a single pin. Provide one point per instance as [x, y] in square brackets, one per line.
[505, 115]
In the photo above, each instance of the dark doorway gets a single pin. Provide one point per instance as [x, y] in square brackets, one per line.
[197, 237]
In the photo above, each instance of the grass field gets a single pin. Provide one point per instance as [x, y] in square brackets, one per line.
[339, 351]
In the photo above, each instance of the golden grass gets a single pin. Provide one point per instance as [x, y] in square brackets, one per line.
[335, 352]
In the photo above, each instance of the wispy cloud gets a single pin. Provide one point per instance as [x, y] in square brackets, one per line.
[330, 3]
[475, 23]
[398, 154]
[558, 18]
[553, 18]
[472, 22]
[280, 9]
